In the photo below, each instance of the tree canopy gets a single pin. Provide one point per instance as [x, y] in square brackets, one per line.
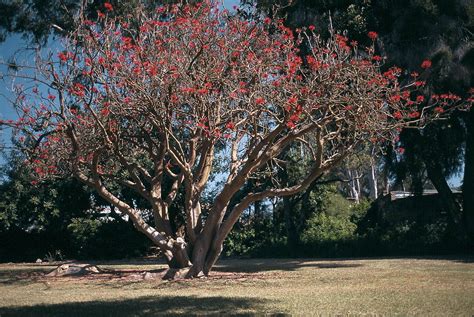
[137, 98]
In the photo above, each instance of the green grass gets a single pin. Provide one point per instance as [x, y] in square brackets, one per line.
[302, 287]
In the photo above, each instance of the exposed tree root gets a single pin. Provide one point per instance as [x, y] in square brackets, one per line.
[74, 269]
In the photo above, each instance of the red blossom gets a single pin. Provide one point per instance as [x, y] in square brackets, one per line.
[294, 117]
[230, 125]
[420, 99]
[174, 98]
[62, 56]
[313, 63]
[188, 90]
[292, 100]
[259, 101]
[395, 98]
[311, 28]
[77, 90]
[372, 35]
[392, 73]
[105, 111]
[291, 125]
[398, 115]
[426, 64]
[108, 6]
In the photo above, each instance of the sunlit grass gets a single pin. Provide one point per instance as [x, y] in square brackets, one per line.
[303, 287]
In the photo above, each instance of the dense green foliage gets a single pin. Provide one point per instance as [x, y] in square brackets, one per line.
[338, 228]
[59, 219]
[409, 32]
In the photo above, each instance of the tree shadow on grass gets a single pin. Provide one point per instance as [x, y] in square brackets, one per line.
[261, 265]
[463, 259]
[147, 306]
[17, 277]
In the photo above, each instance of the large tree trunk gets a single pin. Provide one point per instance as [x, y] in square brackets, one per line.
[353, 177]
[373, 177]
[447, 199]
[468, 182]
[291, 234]
[202, 248]
[386, 184]
[178, 258]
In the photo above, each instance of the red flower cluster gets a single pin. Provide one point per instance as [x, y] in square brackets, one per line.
[372, 35]
[78, 90]
[105, 111]
[342, 42]
[292, 100]
[230, 125]
[420, 99]
[398, 115]
[313, 62]
[377, 58]
[65, 56]
[426, 64]
[108, 6]
[259, 101]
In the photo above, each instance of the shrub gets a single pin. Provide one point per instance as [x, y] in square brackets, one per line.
[324, 228]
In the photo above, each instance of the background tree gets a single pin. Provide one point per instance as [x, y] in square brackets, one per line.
[59, 219]
[28, 213]
[411, 31]
[38, 20]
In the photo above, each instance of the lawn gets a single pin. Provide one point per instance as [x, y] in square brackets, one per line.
[406, 286]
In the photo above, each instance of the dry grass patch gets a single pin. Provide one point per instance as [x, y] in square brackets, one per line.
[288, 286]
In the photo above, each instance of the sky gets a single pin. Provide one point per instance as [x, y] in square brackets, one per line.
[15, 42]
